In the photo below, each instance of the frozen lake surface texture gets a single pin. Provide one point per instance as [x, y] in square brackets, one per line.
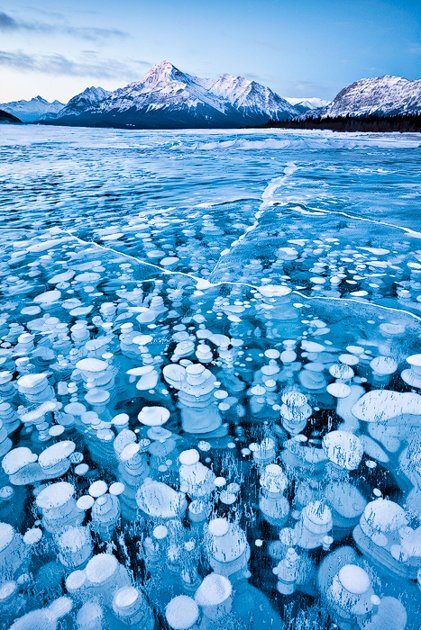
[210, 380]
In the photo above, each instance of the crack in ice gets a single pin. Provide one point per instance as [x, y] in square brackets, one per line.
[267, 201]
[332, 298]
[409, 231]
[203, 284]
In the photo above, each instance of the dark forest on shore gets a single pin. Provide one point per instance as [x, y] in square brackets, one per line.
[354, 123]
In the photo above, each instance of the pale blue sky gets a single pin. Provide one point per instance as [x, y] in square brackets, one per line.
[301, 48]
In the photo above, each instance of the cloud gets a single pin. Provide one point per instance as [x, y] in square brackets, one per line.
[88, 66]
[7, 23]
[10, 24]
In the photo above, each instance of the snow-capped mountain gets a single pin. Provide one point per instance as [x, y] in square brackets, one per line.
[163, 87]
[251, 98]
[33, 110]
[306, 104]
[168, 98]
[381, 96]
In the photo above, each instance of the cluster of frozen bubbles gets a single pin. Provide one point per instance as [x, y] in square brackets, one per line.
[184, 455]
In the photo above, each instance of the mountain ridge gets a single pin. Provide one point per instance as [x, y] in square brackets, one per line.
[168, 98]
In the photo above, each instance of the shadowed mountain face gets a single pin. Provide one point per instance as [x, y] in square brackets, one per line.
[6, 118]
[168, 98]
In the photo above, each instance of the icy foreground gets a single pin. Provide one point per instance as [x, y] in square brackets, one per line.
[210, 380]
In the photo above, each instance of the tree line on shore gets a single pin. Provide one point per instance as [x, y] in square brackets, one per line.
[402, 123]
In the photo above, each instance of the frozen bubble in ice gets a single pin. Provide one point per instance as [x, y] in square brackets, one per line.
[348, 359]
[55, 495]
[182, 612]
[412, 375]
[380, 405]
[65, 276]
[312, 346]
[48, 297]
[159, 500]
[116, 488]
[32, 536]
[213, 591]
[382, 515]
[129, 451]
[31, 382]
[189, 457]
[153, 416]
[81, 469]
[92, 365]
[338, 390]
[354, 579]
[17, 458]
[90, 616]
[383, 365]
[169, 261]
[56, 430]
[274, 290]
[55, 454]
[341, 371]
[97, 488]
[85, 502]
[101, 568]
[160, 532]
[218, 526]
[343, 449]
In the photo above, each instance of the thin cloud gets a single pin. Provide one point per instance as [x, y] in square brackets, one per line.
[306, 89]
[10, 24]
[414, 49]
[89, 66]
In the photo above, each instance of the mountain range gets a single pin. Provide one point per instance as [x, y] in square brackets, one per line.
[167, 98]
[33, 110]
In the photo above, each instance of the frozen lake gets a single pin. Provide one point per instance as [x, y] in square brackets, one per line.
[211, 369]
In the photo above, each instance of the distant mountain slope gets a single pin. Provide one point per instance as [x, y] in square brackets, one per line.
[6, 118]
[303, 105]
[167, 98]
[33, 110]
[381, 96]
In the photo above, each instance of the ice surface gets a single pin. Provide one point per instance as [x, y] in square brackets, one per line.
[209, 379]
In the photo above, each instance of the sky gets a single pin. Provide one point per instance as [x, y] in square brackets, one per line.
[298, 48]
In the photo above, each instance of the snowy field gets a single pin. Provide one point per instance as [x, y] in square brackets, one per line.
[210, 379]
